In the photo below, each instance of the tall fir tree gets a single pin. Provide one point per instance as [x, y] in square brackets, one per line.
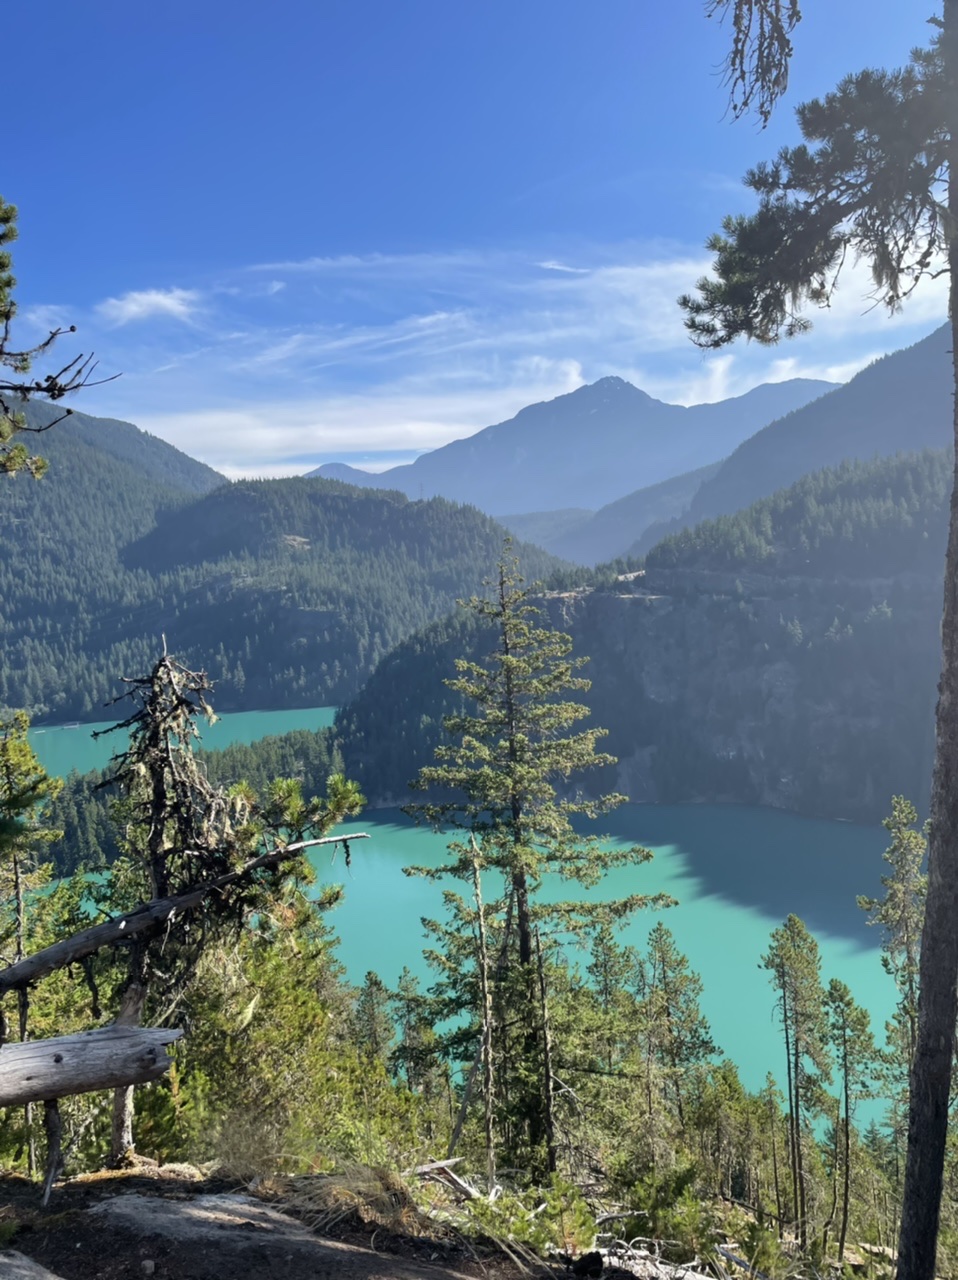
[506, 777]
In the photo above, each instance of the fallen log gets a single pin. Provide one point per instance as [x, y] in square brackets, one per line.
[107, 1058]
[152, 915]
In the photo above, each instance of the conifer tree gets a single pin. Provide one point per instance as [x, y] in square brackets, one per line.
[25, 791]
[685, 1039]
[794, 962]
[506, 777]
[373, 1025]
[900, 913]
[856, 1056]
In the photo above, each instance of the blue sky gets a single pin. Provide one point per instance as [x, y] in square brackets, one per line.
[308, 230]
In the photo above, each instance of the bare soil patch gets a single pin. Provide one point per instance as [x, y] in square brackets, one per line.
[170, 1225]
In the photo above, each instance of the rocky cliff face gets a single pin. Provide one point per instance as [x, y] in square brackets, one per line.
[799, 694]
[796, 693]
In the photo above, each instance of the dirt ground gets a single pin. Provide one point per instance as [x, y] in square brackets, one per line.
[131, 1225]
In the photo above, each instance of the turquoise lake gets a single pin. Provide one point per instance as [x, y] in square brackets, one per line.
[61, 748]
[736, 871]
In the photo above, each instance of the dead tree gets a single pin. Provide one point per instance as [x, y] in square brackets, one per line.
[190, 838]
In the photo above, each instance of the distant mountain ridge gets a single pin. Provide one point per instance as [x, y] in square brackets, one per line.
[899, 404]
[596, 537]
[585, 449]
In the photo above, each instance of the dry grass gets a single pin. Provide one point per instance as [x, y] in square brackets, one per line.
[354, 1196]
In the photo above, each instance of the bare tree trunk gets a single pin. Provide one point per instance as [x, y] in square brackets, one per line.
[54, 1129]
[778, 1190]
[23, 1006]
[847, 1184]
[799, 1154]
[464, 1104]
[121, 1136]
[477, 1060]
[87, 1062]
[548, 1093]
[937, 998]
[836, 1156]
[792, 1103]
[487, 1063]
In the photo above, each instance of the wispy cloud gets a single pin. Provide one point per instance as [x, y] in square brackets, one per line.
[147, 304]
[278, 366]
[551, 265]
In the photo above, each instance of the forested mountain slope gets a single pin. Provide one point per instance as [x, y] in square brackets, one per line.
[587, 448]
[287, 591]
[66, 446]
[900, 402]
[858, 520]
[786, 656]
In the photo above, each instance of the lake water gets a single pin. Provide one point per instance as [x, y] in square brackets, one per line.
[61, 748]
[736, 871]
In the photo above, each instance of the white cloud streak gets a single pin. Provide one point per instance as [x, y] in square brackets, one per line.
[356, 354]
[147, 304]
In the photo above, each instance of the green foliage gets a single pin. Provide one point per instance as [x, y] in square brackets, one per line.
[900, 913]
[290, 591]
[514, 752]
[860, 519]
[553, 1218]
[764, 1251]
[25, 792]
[82, 809]
[863, 184]
[271, 1076]
[21, 388]
[505, 778]
[668, 1207]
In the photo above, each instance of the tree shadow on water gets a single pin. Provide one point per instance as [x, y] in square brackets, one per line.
[774, 862]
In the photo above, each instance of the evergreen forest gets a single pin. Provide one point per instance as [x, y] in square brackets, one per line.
[288, 591]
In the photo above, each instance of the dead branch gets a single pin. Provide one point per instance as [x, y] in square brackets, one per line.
[154, 915]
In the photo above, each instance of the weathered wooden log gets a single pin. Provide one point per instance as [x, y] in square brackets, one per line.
[106, 1058]
[152, 915]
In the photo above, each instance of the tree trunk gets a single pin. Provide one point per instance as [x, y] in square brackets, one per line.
[778, 1193]
[501, 964]
[548, 1094]
[799, 1154]
[23, 1005]
[151, 916]
[792, 1102]
[121, 1134]
[54, 1131]
[847, 1185]
[487, 1063]
[937, 999]
[92, 1060]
